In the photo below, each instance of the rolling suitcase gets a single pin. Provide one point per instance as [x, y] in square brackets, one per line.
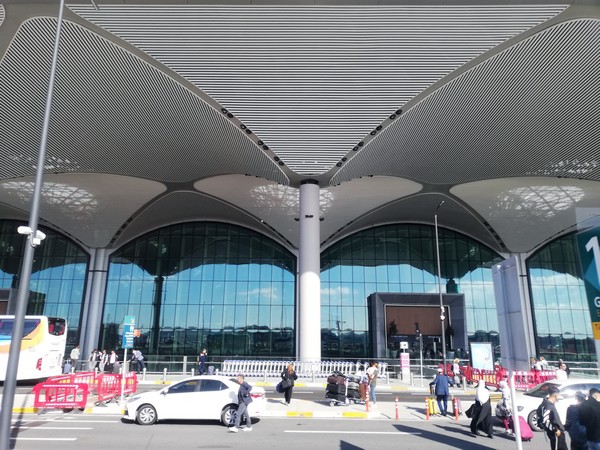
[336, 379]
[336, 388]
[337, 397]
[526, 433]
[433, 406]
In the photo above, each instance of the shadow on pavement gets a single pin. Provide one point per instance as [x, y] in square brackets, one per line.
[348, 446]
[445, 437]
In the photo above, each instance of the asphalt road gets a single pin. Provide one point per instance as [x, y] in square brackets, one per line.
[77, 431]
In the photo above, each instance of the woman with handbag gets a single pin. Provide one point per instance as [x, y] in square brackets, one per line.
[288, 376]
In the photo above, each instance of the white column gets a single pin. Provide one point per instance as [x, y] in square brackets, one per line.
[90, 328]
[309, 267]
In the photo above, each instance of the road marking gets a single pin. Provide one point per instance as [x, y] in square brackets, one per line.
[41, 439]
[349, 432]
[53, 428]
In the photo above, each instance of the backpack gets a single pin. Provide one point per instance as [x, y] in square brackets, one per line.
[540, 417]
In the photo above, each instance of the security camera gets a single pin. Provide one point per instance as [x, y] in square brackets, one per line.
[24, 230]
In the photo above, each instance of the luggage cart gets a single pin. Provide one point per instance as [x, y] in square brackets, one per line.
[337, 389]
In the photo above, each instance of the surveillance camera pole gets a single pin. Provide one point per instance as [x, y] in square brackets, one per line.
[33, 239]
[439, 270]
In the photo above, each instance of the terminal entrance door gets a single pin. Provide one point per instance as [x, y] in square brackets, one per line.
[403, 323]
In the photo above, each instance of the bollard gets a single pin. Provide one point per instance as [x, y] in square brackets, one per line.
[164, 375]
[367, 398]
[455, 405]
[397, 412]
[144, 374]
[265, 376]
[427, 408]
[193, 371]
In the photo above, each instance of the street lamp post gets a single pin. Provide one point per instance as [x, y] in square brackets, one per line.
[33, 240]
[439, 270]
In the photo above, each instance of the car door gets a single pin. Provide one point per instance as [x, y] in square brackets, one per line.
[179, 401]
[212, 397]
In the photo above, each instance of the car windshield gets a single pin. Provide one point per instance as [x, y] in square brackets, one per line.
[540, 391]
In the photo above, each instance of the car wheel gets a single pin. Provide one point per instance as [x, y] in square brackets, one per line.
[146, 415]
[228, 415]
[532, 420]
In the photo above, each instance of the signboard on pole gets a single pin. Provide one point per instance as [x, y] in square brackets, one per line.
[128, 331]
[589, 254]
[482, 356]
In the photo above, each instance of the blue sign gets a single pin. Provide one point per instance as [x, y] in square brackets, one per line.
[128, 329]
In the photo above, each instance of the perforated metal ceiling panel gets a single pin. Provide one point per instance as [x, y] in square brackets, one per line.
[311, 81]
[112, 113]
[529, 110]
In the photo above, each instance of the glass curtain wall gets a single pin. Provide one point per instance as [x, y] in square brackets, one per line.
[401, 258]
[58, 275]
[559, 303]
[203, 285]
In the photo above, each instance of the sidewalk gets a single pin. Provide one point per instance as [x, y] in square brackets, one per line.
[383, 410]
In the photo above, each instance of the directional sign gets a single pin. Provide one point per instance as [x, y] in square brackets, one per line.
[128, 331]
[589, 251]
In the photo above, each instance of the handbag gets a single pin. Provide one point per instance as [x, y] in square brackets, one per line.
[469, 411]
[279, 387]
[286, 383]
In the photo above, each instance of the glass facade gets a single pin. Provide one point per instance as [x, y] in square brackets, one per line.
[559, 303]
[203, 285]
[58, 275]
[401, 258]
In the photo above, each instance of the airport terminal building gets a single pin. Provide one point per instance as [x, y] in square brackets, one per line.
[275, 179]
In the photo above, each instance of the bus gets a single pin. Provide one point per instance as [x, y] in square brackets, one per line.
[42, 347]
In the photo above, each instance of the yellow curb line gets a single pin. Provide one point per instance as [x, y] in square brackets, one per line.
[299, 413]
[26, 410]
[399, 388]
[355, 414]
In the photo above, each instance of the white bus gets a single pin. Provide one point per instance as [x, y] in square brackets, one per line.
[42, 347]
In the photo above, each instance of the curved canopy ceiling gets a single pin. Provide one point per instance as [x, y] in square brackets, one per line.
[170, 111]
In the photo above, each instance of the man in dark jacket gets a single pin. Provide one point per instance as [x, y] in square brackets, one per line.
[590, 419]
[244, 399]
[573, 425]
[442, 390]
[551, 420]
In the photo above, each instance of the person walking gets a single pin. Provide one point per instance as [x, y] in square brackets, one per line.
[244, 399]
[481, 417]
[74, 356]
[372, 374]
[138, 357]
[550, 420]
[573, 425]
[202, 362]
[103, 361]
[566, 368]
[590, 419]
[93, 360]
[456, 372]
[112, 360]
[441, 385]
[288, 378]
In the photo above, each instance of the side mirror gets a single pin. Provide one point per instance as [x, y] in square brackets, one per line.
[164, 391]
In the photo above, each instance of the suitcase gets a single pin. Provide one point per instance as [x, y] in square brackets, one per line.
[336, 379]
[526, 433]
[433, 406]
[353, 385]
[334, 396]
[336, 388]
[353, 393]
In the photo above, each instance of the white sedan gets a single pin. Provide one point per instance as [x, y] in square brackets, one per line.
[528, 402]
[210, 397]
